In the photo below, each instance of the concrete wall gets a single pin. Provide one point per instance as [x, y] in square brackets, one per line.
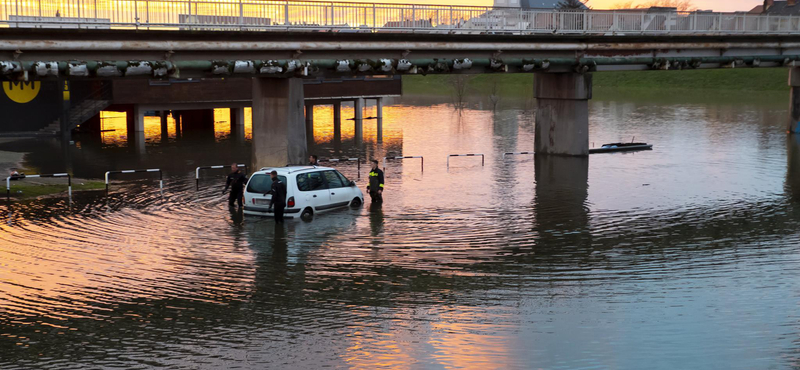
[29, 106]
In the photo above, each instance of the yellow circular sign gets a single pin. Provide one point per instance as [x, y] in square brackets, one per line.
[22, 92]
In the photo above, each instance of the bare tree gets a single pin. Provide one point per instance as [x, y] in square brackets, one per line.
[459, 84]
[572, 4]
[681, 5]
[624, 5]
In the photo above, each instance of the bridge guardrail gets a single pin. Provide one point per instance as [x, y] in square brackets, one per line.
[516, 153]
[198, 169]
[22, 177]
[421, 161]
[160, 176]
[376, 17]
[483, 158]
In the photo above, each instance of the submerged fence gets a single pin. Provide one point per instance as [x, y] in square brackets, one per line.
[160, 176]
[198, 169]
[374, 17]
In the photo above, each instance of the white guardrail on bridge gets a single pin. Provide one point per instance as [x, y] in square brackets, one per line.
[373, 17]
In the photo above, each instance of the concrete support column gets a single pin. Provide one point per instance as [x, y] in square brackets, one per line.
[794, 101]
[279, 135]
[359, 119]
[310, 122]
[337, 122]
[379, 108]
[164, 125]
[237, 117]
[134, 116]
[178, 117]
[237, 124]
[135, 119]
[562, 113]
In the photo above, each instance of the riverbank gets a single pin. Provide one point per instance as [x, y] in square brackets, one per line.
[10, 161]
[743, 80]
[38, 187]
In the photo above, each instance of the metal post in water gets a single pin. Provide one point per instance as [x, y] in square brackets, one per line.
[69, 181]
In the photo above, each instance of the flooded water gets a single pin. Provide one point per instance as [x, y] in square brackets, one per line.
[681, 257]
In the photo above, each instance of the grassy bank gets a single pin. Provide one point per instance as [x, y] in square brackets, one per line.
[27, 190]
[729, 80]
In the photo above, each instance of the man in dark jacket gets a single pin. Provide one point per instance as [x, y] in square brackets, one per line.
[375, 187]
[236, 181]
[278, 200]
[313, 160]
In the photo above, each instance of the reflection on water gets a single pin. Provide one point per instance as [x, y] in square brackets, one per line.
[680, 257]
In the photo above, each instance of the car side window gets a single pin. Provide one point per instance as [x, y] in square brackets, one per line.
[345, 181]
[310, 181]
[334, 181]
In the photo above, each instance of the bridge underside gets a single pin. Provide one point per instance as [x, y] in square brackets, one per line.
[44, 53]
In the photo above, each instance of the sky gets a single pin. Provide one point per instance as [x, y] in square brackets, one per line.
[717, 5]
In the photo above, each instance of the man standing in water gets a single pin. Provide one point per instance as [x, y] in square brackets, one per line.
[375, 187]
[278, 200]
[236, 181]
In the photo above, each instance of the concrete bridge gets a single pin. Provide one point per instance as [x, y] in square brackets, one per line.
[279, 44]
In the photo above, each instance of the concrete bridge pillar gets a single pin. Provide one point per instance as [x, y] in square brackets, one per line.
[359, 119]
[562, 113]
[134, 116]
[279, 132]
[379, 108]
[164, 125]
[794, 99]
[178, 117]
[337, 122]
[310, 122]
[237, 124]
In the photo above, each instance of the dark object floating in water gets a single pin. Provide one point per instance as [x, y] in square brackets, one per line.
[621, 147]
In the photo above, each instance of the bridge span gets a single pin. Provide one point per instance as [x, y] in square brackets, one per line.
[280, 43]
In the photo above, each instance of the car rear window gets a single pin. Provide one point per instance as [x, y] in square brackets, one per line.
[262, 183]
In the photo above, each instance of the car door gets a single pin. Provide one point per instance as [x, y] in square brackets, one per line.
[313, 190]
[341, 194]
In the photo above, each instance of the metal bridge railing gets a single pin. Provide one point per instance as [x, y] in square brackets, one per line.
[374, 17]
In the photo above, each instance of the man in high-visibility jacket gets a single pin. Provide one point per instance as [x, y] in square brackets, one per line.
[375, 187]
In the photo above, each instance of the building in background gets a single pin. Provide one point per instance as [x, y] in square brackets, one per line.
[789, 7]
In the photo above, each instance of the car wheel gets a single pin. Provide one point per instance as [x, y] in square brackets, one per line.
[356, 202]
[307, 214]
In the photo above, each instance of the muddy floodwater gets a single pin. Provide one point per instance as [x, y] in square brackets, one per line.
[686, 256]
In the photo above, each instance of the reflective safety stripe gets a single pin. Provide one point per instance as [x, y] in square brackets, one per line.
[381, 185]
[373, 174]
